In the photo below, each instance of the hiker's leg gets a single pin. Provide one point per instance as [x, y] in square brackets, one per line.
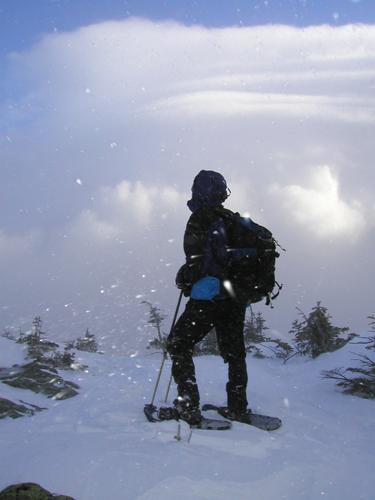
[229, 324]
[192, 326]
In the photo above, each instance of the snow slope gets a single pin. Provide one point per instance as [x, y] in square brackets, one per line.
[98, 445]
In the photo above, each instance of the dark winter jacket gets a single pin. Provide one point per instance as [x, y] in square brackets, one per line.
[205, 242]
[205, 239]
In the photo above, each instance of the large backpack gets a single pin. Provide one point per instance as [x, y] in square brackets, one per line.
[250, 273]
[251, 269]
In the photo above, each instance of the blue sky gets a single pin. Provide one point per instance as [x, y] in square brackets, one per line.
[103, 126]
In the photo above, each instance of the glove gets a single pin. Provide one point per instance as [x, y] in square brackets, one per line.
[182, 280]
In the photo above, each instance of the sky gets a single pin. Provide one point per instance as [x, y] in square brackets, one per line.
[109, 109]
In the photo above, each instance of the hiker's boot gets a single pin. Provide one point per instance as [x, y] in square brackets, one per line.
[187, 411]
[238, 414]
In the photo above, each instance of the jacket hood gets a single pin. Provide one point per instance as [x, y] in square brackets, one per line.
[209, 189]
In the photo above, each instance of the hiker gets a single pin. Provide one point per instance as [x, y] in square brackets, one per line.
[213, 303]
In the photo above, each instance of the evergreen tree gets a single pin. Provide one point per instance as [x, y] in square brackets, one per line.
[69, 345]
[254, 333]
[258, 343]
[37, 329]
[87, 343]
[155, 319]
[282, 349]
[37, 345]
[314, 334]
[64, 361]
[363, 383]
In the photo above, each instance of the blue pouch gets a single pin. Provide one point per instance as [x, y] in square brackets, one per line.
[206, 288]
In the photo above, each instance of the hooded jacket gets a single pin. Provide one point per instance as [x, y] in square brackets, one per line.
[205, 238]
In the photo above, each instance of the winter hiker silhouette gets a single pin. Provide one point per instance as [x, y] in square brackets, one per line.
[215, 301]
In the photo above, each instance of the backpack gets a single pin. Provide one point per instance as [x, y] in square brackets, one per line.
[251, 269]
[250, 273]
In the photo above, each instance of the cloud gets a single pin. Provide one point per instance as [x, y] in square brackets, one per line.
[121, 68]
[95, 229]
[134, 110]
[226, 103]
[143, 202]
[126, 209]
[95, 269]
[319, 208]
[18, 246]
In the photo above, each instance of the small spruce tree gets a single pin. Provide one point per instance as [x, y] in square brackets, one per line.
[254, 333]
[155, 319]
[87, 343]
[38, 347]
[257, 341]
[63, 361]
[69, 345]
[314, 334]
[363, 383]
[37, 329]
[282, 350]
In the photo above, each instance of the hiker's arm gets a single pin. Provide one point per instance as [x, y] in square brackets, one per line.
[218, 240]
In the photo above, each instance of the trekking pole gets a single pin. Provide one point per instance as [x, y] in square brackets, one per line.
[173, 323]
[168, 388]
[170, 378]
[158, 379]
[165, 355]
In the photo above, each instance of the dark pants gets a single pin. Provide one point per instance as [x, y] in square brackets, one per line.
[200, 316]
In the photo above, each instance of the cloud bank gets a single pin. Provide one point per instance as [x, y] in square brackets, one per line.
[104, 129]
[321, 209]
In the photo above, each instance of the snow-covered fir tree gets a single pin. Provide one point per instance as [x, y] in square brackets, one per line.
[254, 333]
[155, 320]
[88, 343]
[359, 380]
[315, 334]
[38, 347]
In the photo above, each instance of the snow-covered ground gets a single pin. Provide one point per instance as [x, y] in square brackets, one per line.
[99, 446]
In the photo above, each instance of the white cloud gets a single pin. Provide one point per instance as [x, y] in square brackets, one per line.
[137, 203]
[18, 246]
[89, 223]
[312, 75]
[222, 104]
[319, 208]
[121, 67]
[133, 110]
